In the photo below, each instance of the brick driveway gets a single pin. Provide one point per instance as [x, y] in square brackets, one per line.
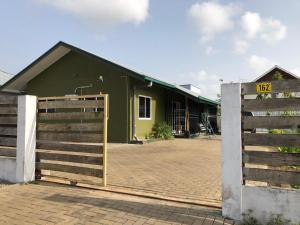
[180, 168]
[46, 203]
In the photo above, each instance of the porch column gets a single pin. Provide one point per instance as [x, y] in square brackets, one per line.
[187, 114]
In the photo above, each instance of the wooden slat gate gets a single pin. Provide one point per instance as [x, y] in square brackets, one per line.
[278, 114]
[72, 138]
[8, 124]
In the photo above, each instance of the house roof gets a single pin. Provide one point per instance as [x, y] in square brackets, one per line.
[287, 74]
[18, 82]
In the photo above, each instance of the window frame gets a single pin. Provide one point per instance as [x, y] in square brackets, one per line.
[145, 97]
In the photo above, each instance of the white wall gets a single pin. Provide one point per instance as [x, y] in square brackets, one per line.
[231, 150]
[266, 202]
[8, 167]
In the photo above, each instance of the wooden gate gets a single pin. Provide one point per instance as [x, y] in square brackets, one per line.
[72, 138]
[271, 119]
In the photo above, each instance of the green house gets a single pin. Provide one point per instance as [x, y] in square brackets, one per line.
[136, 101]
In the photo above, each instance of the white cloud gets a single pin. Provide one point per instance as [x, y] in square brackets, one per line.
[209, 84]
[260, 64]
[212, 18]
[209, 50]
[267, 29]
[296, 72]
[252, 24]
[103, 12]
[240, 46]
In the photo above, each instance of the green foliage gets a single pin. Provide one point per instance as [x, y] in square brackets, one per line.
[162, 131]
[278, 76]
[248, 219]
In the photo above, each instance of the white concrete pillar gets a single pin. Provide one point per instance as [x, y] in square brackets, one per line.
[26, 138]
[231, 150]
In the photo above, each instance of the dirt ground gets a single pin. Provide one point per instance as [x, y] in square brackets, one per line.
[179, 168]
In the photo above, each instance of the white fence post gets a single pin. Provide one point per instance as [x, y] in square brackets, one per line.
[26, 138]
[231, 151]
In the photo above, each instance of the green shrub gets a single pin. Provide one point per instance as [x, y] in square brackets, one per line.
[162, 131]
[248, 219]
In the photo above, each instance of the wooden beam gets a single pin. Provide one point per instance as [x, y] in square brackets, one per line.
[8, 110]
[271, 122]
[70, 169]
[71, 137]
[68, 147]
[275, 104]
[8, 131]
[8, 152]
[271, 158]
[8, 141]
[8, 120]
[93, 160]
[70, 104]
[71, 127]
[71, 116]
[276, 140]
[8, 99]
[105, 121]
[272, 176]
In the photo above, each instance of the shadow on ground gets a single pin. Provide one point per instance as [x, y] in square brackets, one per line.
[155, 211]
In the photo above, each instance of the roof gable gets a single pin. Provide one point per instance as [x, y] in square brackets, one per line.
[269, 75]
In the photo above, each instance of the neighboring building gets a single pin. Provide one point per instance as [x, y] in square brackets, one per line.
[4, 77]
[136, 101]
[269, 75]
[191, 88]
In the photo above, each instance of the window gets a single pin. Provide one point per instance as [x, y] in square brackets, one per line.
[144, 107]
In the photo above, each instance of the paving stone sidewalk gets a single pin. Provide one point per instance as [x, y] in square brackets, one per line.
[182, 168]
[46, 203]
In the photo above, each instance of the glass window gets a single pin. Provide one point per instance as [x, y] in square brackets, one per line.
[144, 107]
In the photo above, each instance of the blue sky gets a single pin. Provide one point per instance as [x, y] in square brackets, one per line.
[181, 41]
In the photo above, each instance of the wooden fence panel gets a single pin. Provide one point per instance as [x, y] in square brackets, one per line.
[287, 136]
[271, 158]
[75, 135]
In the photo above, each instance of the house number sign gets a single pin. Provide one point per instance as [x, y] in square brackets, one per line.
[264, 87]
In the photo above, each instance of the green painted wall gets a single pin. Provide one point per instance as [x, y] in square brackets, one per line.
[158, 104]
[75, 70]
